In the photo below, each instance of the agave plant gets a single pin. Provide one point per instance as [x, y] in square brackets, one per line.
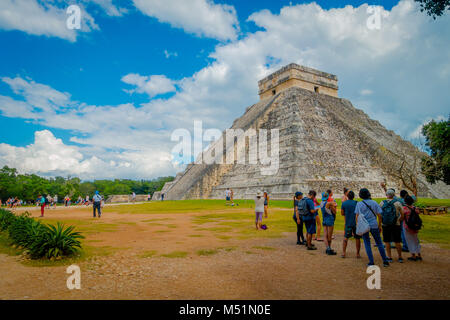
[18, 229]
[56, 241]
[6, 218]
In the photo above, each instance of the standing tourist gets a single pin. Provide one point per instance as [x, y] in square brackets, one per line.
[372, 213]
[348, 211]
[328, 218]
[232, 197]
[309, 213]
[162, 196]
[227, 196]
[412, 224]
[266, 204]
[298, 219]
[344, 196]
[318, 222]
[149, 197]
[392, 216]
[55, 200]
[42, 204]
[133, 197]
[97, 201]
[259, 209]
[48, 201]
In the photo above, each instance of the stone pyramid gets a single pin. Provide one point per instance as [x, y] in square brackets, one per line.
[324, 142]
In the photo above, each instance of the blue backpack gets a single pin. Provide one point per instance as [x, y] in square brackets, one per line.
[302, 208]
[389, 214]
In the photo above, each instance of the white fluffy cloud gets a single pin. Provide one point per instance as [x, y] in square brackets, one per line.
[50, 156]
[41, 19]
[200, 17]
[109, 7]
[151, 85]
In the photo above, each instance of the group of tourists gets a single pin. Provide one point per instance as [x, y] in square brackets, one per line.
[13, 202]
[392, 218]
[97, 202]
[395, 221]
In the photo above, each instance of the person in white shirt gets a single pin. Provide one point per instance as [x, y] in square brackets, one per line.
[259, 209]
[227, 196]
[97, 199]
[133, 197]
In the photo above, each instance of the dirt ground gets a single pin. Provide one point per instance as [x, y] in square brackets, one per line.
[131, 265]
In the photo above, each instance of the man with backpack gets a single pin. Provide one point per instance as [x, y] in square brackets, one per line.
[392, 216]
[412, 224]
[308, 212]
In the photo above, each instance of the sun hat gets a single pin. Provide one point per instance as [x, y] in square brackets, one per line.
[324, 196]
[298, 193]
[259, 193]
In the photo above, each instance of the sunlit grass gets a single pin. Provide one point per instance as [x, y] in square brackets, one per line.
[175, 254]
[148, 254]
[207, 252]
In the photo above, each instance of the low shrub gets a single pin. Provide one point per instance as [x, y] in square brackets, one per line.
[54, 242]
[40, 240]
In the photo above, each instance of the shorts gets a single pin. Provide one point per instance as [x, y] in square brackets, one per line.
[392, 234]
[328, 220]
[351, 232]
[310, 226]
[228, 198]
[258, 216]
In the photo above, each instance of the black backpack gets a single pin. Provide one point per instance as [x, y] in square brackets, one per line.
[414, 222]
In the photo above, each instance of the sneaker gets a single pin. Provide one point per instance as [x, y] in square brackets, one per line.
[311, 248]
[405, 250]
[332, 252]
[390, 260]
[299, 243]
[400, 260]
[412, 259]
[419, 258]
[370, 264]
[386, 264]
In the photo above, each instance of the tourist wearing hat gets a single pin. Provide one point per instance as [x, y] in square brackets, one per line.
[97, 199]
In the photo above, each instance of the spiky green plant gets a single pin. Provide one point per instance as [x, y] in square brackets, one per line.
[56, 241]
[6, 218]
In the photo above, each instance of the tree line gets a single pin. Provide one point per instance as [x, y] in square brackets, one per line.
[28, 186]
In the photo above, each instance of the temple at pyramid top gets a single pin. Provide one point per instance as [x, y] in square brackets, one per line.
[294, 75]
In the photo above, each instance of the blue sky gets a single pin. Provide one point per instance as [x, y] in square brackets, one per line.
[101, 102]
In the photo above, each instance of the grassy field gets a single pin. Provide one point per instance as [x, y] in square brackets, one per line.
[206, 219]
[226, 222]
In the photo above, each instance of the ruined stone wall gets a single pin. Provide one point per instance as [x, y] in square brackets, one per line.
[324, 143]
[294, 75]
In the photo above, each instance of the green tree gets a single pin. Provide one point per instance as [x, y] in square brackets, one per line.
[434, 8]
[436, 166]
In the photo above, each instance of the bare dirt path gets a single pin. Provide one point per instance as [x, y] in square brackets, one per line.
[274, 268]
